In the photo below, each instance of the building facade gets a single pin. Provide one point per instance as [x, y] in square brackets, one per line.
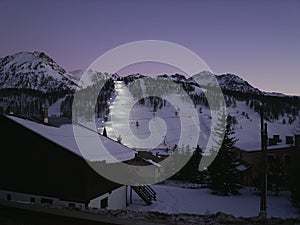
[34, 168]
[281, 160]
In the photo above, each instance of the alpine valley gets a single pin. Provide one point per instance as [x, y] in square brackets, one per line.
[31, 82]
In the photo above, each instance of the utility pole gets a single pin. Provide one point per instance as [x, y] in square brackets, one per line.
[264, 140]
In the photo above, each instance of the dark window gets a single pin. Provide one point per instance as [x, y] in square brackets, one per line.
[46, 201]
[104, 203]
[8, 197]
[72, 205]
[287, 159]
[32, 199]
[271, 158]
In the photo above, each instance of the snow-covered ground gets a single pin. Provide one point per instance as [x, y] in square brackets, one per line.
[125, 114]
[248, 127]
[201, 201]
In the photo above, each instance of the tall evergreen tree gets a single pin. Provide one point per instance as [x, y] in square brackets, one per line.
[194, 165]
[222, 172]
[190, 171]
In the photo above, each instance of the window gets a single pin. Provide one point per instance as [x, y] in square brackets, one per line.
[72, 205]
[8, 197]
[104, 203]
[271, 157]
[287, 159]
[32, 199]
[46, 201]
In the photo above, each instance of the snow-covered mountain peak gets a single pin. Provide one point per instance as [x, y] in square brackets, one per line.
[205, 73]
[233, 82]
[228, 82]
[37, 71]
[205, 78]
[228, 77]
[178, 77]
[77, 74]
[136, 75]
[85, 78]
[33, 70]
[115, 76]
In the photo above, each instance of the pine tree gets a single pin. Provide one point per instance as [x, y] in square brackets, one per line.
[190, 171]
[194, 165]
[222, 172]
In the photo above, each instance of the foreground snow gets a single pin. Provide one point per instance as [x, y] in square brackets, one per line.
[200, 201]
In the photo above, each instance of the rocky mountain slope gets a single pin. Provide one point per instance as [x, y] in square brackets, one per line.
[34, 71]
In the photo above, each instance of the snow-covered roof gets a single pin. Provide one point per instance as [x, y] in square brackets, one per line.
[257, 146]
[162, 152]
[92, 149]
[152, 162]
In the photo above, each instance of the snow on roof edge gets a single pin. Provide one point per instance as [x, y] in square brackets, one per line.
[59, 135]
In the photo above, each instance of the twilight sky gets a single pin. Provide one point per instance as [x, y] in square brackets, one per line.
[257, 40]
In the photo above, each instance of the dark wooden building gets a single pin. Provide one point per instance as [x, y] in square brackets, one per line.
[281, 159]
[36, 168]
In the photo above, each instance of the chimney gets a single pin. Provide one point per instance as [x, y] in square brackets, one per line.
[46, 119]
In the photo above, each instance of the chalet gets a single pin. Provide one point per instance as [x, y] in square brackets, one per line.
[281, 156]
[143, 157]
[40, 163]
[162, 153]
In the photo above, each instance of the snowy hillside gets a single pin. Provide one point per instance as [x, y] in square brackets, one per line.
[247, 127]
[242, 112]
[35, 71]
[31, 81]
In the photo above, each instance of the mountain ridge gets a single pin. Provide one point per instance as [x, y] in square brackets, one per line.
[38, 71]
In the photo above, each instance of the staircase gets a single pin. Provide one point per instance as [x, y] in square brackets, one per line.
[144, 191]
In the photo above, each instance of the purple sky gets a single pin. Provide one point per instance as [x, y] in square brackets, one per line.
[257, 40]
